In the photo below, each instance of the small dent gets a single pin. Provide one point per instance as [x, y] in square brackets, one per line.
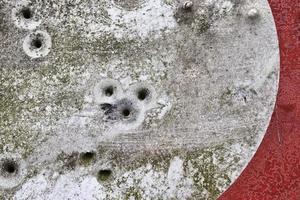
[104, 175]
[87, 158]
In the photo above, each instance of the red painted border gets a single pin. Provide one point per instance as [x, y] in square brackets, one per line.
[274, 172]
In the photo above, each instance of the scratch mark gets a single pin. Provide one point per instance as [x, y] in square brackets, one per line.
[277, 126]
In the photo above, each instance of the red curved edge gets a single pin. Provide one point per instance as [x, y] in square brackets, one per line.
[274, 171]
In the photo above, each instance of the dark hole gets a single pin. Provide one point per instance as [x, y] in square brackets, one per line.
[104, 174]
[109, 91]
[37, 43]
[142, 94]
[126, 112]
[10, 167]
[87, 157]
[26, 12]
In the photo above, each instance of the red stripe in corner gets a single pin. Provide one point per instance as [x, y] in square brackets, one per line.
[274, 172]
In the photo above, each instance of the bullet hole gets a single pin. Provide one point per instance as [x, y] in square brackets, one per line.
[126, 112]
[26, 13]
[9, 167]
[37, 43]
[12, 170]
[104, 174]
[87, 157]
[143, 93]
[109, 91]
[24, 17]
[126, 109]
[106, 91]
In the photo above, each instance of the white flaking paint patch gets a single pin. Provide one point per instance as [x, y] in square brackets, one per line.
[153, 17]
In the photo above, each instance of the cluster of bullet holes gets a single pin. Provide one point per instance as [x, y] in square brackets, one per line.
[12, 171]
[84, 159]
[127, 107]
[37, 43]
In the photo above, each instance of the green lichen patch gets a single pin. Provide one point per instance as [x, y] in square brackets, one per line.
[133, 193]
[207, 174]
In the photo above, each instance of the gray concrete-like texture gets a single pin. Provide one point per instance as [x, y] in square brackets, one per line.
[136, 99]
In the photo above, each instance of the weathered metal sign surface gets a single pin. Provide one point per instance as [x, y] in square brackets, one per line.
[274, 172]
[158, 99]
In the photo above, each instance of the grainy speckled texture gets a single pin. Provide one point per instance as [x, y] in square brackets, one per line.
[210, 74]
